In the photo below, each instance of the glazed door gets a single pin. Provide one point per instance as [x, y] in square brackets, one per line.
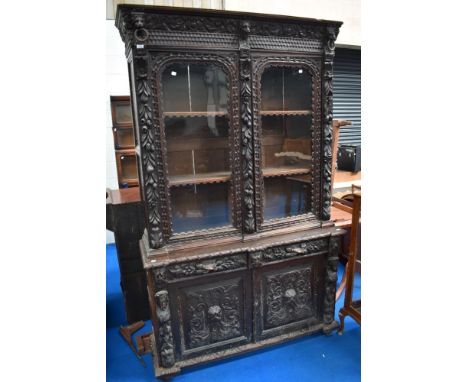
[287, 124]
[199, 109]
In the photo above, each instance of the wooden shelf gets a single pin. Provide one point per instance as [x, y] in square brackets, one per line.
[187, 114]
[269, 172]
[285, 112]
[206, 178]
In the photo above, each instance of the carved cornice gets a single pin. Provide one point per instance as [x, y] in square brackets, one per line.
[137, 25]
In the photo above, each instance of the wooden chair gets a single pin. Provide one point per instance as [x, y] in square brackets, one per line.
[352, 307]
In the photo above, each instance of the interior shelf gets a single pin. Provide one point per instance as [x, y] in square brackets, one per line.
[185, 114]
[206, 178]
[285, 112]
[269, 172]
[225, 176]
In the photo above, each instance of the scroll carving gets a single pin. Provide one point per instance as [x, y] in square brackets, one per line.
[196, 268]
[166, 344]
[288, 298]
[286, 252]
[330, 282]
[148, 142]
[329, 53]
[213, 315]
[247, 133]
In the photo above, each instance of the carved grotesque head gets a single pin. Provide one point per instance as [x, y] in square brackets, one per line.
[245, 29]
[162, 300]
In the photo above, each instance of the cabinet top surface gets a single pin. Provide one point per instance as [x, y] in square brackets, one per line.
[135, 9]
[254, 242]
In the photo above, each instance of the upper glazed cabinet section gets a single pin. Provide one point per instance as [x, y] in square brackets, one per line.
[166, 27]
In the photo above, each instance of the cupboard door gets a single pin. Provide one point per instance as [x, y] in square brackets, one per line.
[288, 296]
[213, 314]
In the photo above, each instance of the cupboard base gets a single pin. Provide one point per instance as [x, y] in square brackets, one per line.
[166, 373]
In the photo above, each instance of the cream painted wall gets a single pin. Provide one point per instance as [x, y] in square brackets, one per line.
[116, 84]
[348, 11]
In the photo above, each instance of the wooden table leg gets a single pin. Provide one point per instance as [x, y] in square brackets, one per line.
[342, 283]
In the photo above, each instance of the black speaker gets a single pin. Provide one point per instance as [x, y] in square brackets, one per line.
[349, 158]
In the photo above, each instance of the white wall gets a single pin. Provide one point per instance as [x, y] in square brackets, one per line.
[116, 84]
[348, 11]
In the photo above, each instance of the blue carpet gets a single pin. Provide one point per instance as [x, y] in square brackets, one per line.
[314, 358]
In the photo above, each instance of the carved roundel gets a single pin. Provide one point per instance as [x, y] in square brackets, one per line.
[141, 34]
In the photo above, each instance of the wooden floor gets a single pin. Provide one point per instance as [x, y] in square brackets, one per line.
[344, 179]
[343, 182]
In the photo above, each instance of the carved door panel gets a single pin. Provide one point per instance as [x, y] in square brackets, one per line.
[288, 297]
[213, 314]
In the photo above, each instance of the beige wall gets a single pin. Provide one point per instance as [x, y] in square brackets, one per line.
[348, 11]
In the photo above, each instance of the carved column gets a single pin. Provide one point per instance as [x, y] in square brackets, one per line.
[166, 343]
[329, 324]
[247, 131]
[329, 54]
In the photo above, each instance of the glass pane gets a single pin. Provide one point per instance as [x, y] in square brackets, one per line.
[286, 116]
[201, 206]
[129, 167]
[123, 113]
[124, 138]
[286, 196]
[195, 98]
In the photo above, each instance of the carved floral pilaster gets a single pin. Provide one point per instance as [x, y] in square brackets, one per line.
[148, 143]
[247, 131]
[329, 54]
[330, 285]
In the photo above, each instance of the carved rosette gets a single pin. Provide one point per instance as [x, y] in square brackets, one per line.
[213, 315]
[288, 298]
[166, 343]
[329, 54]
[330, 282]
[149, 142]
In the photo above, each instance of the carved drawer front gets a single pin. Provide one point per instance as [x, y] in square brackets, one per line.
[288, 298]
[213, 314]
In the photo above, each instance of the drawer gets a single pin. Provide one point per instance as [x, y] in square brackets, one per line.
[212, 313]
[288, 296]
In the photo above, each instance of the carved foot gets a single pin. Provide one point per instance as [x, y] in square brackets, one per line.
[342, 317]
[328, 329]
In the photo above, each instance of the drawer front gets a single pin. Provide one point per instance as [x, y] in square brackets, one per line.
[212, 313]
[288, 296]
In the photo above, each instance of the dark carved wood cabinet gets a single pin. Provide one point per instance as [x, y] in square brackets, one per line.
[233, 124]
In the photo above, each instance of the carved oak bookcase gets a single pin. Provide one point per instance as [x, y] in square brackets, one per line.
[233, 121]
